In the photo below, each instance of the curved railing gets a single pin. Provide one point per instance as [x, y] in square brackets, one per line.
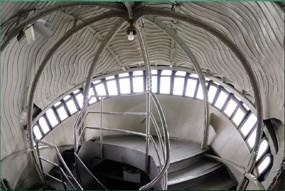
[161, 133]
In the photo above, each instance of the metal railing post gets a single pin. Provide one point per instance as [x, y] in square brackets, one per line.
[101, 126]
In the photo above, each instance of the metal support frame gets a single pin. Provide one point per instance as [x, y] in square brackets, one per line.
[50, 53]
[198, 69]
[234, 48]
[148, 89]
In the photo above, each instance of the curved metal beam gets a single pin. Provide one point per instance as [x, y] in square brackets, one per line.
[107, 39]
[235, 49]
[50, 53]
[198, 69]
[48, 10]
[143, 46]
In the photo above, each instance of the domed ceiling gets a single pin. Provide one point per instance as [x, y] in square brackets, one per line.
[256, 28]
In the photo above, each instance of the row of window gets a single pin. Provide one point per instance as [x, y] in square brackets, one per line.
[170, 82]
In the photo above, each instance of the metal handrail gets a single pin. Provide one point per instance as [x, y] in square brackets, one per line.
[167, 145]
[90, 173]
[62, 162]
[164, 143]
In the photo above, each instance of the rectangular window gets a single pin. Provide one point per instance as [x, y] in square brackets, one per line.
[153, 72]
[51, 117]
[251, 139]
[79, 98]
[125, 86]
[37, 132]
[138, 73]
[180, 73]
[248, 125]
[100, 89]
[191, 87]
[44, 125]
[200, 93]
[66, 97]
[62, 113]
[194, 75]
[230, 108]
[178, 86]
[165, 85]
[166, 72]
[71, 106]
[124, 75]
[112, 87]
[212, 93]
[154, 84]
[239, 115]
[138, 84]
[91, 93]
[221, 99]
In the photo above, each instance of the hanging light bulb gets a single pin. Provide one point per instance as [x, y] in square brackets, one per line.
[131, 31]
[131, 35]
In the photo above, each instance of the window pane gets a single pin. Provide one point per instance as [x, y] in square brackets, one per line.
[96, 82]
[166, 72]
[44, 125]
[51, 117]
[91, 93]
[211, 93]
[66, 97]
[191, 87]
[138, 84]
[100, 89]
[194, 75]
[71, 106]
[138, 73]
[165, 85]
[37, 132]
[238, 116]
[154, 84]
[79, 98]
[124, 75]
[221, 99]
[62, 113]
[180, 73]
[125, 86]
[246, 107]
[76, 91]
[263, 165]
[230, 108]
[200, 93]
[153, 72]
[248, 125]
[178, 86]
[112, 87]
[251, 139]
[57, 104]
[262, 149]
[110, 77]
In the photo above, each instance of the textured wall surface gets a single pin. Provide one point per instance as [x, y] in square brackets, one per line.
[257, 29]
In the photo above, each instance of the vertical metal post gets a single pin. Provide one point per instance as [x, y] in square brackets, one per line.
[198, 69]
[41, 165]
[148, 90]
[101, 126]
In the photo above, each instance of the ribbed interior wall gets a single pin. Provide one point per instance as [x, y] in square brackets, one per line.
[257, 28]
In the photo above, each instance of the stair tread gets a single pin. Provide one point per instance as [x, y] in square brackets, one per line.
[180, 149]
[221, 182]
[196, 170]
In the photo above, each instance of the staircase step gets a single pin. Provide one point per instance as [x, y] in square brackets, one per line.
[192, 175]
[220, 180]
[185, 162]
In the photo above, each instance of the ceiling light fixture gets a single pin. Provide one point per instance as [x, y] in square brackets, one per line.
[131, 31]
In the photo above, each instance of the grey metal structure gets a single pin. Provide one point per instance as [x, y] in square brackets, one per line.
[122, 16]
